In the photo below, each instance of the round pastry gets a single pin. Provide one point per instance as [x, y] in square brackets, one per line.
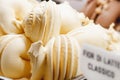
[103, 12]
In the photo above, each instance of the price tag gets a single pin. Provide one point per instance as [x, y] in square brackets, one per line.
[4, 78]
[99, 64]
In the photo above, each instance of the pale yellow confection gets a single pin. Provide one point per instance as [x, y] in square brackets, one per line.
[115, 40]
[91, 34]
[43, 22]
[58, 60]
[22, 79]
[38, 61]
[115, 47]
[98, 36]
[0, 70]
[71, 19]
[1, 32]
[8, 23]
[13, 56]
[12, 13]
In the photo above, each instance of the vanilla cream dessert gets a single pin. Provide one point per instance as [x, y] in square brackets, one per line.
[43, 22]
[58, 60]
[1, 32]
[71, 19]
[14, 60]
[97, 35]
[12, 13]
[0, 69]
[115, 40]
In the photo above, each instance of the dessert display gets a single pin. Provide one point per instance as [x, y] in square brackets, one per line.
[41, 41]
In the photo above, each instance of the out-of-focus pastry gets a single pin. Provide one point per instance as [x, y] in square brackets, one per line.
[58, 60]
[117, 26]
[13, 56]
[43, 22]
[103, 12]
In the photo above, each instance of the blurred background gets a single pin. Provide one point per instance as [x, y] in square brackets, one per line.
[103, 12]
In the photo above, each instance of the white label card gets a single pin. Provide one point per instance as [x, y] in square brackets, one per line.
[99, 64]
